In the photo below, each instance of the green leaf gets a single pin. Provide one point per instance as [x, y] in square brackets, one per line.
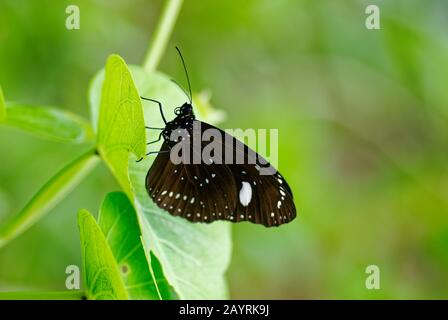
[118, 221]
[49, 123]
[48, 196]
[100, 270]
[194, 257]
[121, 128]
[2, 106]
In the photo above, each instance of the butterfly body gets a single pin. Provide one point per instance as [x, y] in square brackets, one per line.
[184, 120]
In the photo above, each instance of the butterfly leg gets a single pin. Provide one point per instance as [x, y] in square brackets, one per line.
[153, 128]
[158, 139]
[153, 152]
[160, 107]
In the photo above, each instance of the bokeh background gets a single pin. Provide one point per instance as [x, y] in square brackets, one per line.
[362, 118]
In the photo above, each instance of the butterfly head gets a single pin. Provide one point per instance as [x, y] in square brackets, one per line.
[184, 111]
[184, 120]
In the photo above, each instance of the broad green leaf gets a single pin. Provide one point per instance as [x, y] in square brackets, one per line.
[2, 106]
[100, 270]
[48, 196]
[194, 257]
[49, 123]
[121, 128]
[118, 221]
[94, 95]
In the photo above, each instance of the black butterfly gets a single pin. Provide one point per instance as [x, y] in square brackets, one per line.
[213, 190]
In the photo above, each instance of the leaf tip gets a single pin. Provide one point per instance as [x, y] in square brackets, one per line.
[83, 216]
[114, 59]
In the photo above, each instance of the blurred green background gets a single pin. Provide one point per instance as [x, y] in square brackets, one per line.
[362, 118]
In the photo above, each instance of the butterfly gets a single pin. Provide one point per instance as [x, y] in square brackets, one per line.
[214, 188]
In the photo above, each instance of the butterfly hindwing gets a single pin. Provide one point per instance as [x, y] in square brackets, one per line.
[262, 199]
[271, 203]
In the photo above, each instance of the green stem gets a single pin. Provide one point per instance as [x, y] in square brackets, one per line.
[48, 196]
[44, 295]
[162, 34]
[2, 106]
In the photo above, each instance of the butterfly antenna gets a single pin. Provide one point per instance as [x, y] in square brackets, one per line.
[186, 73]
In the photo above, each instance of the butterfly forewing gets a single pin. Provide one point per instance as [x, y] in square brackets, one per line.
[199, 193]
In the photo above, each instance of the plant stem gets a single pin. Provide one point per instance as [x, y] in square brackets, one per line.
[162, 34]
[48, 196]
[2, 106]
[43, 295]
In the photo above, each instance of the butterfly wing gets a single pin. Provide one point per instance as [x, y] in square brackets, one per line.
[262, 199]
[199, 193]
[207, 191]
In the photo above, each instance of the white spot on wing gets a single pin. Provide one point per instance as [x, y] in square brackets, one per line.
[245, 193]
